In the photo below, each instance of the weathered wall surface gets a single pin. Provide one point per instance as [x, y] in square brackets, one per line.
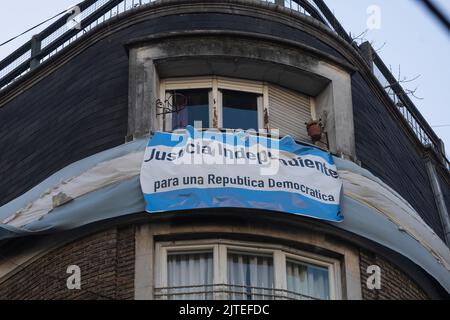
[106, 260]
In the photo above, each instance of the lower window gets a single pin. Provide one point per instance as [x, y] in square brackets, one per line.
[189, 275]
[250, 276]
[307, 280]
[236, 271]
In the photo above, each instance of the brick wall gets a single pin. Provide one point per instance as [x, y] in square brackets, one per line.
[395, 284]
[106, 260]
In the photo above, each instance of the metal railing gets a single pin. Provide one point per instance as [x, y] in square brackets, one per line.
[228, 292]
[59, 35]
[93, 13]
[416, 122]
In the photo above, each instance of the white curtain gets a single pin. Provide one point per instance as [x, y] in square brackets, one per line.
[307, 280]
[189, 276]
[250, 277]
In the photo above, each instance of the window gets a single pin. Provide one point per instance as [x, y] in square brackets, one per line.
[188, 273]
[193, 105]
[250, 276]
[223, 269]
[216, 102]
[307, 280]
[239, 109]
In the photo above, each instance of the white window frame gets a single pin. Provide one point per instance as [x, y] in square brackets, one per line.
[220, 248]
[215, 84]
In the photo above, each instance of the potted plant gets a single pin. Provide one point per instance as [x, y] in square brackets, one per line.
[315, 130]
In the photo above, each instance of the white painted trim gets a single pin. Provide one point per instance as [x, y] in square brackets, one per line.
[162, 251]
[209, 82]
[168, 117]
[188, 83]
[266, 106]
[279, 269]
[260, 110]
[222, 276]
[331, 264]
[159, 274]
[312, 104]
[162, 97]
[216, 108]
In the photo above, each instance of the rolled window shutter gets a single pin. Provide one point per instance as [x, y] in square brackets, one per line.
[288, 111]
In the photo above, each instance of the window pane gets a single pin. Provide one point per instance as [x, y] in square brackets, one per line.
[240, 110]
[197, 108]
[250, 276]
[189, 275]
[305, 280]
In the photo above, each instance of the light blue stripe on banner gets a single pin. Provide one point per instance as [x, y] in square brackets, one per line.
[201, 198]
[286, 144]
[167, 139]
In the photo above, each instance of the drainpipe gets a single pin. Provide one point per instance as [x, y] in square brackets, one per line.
[439, 198]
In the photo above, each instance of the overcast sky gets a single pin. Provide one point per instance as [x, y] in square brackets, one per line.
[417, 43]
[412, 39]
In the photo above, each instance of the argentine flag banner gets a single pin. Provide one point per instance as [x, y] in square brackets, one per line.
[194, 169]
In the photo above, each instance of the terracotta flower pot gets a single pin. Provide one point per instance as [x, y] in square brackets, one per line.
[314, 129]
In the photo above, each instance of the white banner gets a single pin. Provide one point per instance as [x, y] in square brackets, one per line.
[213, 169]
